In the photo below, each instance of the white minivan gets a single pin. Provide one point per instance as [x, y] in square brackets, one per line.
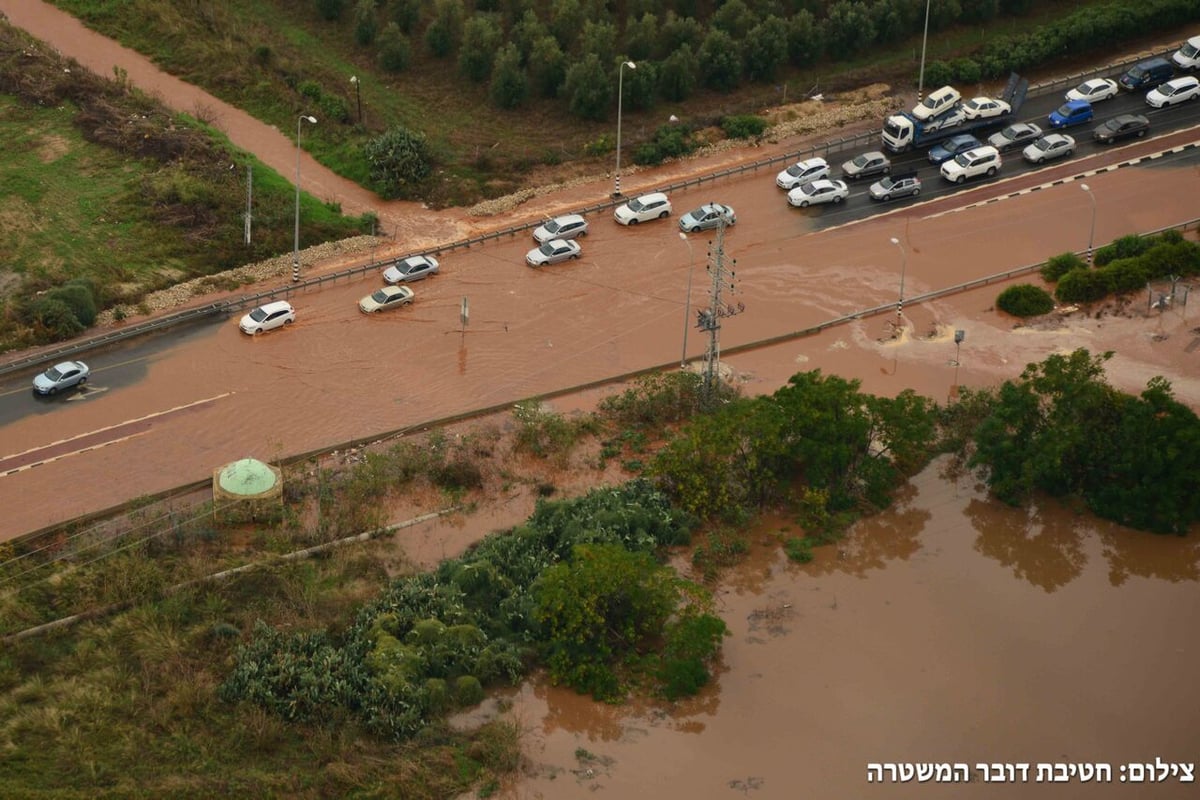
[1188, 56]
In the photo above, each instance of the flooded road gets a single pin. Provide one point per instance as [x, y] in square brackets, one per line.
[947, 630]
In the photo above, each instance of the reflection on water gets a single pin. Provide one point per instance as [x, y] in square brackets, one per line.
[1041, 544]
[948, 629]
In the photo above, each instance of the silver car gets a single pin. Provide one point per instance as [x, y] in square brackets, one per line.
[707, 216]
[413, 268]
[553, 251]
[1050, 146]
[1018, 133]
[866, 165]
[565, 227]
[61, 376]
[385, 298]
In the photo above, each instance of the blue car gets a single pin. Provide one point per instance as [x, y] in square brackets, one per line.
[952, 147]
[1072, 112]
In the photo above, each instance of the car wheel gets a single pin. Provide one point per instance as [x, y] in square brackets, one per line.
[886, 197]
[1041, 160]
[960, 179]
[837, 200]
[1141, 134]
[288, 321]
[575, 255]
[663, 215]
[633, 221]
[82, 381]
[887, 170]
[804, 204]
[991, 171]
[53, 390]
[916, 192]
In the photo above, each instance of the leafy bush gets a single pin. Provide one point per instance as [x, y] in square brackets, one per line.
[692, 644]
[1080, 286]
[1125, 247]
[670, 141]
[743, 126]
[966, 71]
[366, 22]
[335, 109]
[1060, 265]
[395, 51]
[399, 160]
[330, 9]
[799, 549]
[938, 73]
[1025, 300]
[1123, 275]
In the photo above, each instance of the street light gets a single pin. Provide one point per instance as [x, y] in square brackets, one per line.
[903, 268]
[296, 247]
[924, 39]
[1092, 232]
[357, 96]
[687, 311]
[620, 96]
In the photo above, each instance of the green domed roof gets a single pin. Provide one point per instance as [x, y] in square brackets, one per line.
[247, 477]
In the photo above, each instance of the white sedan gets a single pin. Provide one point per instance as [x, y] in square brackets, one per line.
[822, 191]
[655, 205]
[1095, 90]
[553, 251]
[385, 298]
[1048, 147]
[985, 108]
[1174, 91]
[413, 268]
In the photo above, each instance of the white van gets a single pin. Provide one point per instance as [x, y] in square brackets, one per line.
[1188, 56]
[976, 161]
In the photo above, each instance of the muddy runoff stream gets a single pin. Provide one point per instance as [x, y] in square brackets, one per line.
[949, 630]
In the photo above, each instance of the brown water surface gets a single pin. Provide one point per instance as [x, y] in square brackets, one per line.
[949, 629]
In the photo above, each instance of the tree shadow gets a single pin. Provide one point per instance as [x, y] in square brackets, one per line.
[1042, 544]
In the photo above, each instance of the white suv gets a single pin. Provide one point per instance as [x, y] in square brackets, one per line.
[976, 161]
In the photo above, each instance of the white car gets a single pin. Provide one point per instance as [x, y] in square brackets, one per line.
[1048, 147]
[565, 227]
[553, 251]
[985, 108]
[413, 268]
[385, 298]
[268, 317]
[1174, 91]
[819, 191]
[61, 376]
[983, 160]
[938, 101]
[655, 205]
[1095, 90]
[1188, 56]
[802, 172]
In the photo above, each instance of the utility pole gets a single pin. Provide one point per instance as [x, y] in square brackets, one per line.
[720, 271]
[249, 199]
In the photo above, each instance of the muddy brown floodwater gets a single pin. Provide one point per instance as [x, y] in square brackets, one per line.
[949, 629]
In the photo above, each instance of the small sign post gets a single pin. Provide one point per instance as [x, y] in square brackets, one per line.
[464, 316]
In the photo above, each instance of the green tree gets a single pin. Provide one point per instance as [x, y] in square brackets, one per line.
[805, 41]
[481, 39]
[405, 13]
[766, 49]
[602, 606]
[547, 66]
[641, 86]
[395, 51]
[848, 29]
[366, 22]
[588, 89]
[566, 21]
[509, 86]
[720, 61]
[329, 9]
[678, 31]
[733, 17]
[641, 37]
[399, 162]
[679, 75]
[600, 38]
[526, 33]
[443, 34]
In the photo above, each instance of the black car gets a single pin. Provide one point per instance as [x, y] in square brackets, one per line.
[1121, 127]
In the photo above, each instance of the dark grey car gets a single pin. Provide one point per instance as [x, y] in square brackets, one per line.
[1121, 127]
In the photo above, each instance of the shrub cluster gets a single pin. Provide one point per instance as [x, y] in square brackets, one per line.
[1025, 300]
[433, 640]
[1124, 266]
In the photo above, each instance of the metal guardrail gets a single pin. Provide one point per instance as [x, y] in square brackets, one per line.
[225, 307]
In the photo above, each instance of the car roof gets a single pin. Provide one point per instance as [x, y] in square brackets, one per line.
[813, 162]
[652, 196]
[1073, 104]
[565, 218]
[1123, 118]
[1184, 80]
[275, 305]
[65, 365]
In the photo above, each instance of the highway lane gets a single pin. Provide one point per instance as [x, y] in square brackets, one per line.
[336, 375]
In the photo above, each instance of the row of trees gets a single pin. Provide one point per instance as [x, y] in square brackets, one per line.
[570, 49]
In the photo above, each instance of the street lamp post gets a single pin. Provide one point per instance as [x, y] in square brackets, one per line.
[357, 96]
[903, 269]
[924, 39]
[620, 97]
[687, 311]
[296, 247]
[1092, 232]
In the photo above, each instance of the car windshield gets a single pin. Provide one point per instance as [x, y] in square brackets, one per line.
[552, 226]
[1043, 144]
[379, 296]
[1064, 110]
[962, 160]
[796, 170]
[258, 314]
[888, 183]
[1011, 132]
[933, 101]
[636, 204]
[408, 267]
[861, 161]
[1189, 50]
[547, 249]
[53, 374]
[1137, 72]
